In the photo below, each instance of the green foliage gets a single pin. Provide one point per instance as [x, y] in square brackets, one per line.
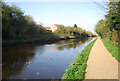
[100, 28]
[109, 27]
[17, 25]
[76, 71]
[112, 48]
[75, 26]
[12, 21]
[113, 15]
[72, 32]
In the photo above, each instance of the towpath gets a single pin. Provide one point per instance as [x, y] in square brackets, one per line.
[101, 64]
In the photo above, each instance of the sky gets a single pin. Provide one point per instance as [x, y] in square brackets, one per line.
[84, 14]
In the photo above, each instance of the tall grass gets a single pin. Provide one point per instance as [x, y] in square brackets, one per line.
[76, 71]
[112, 48]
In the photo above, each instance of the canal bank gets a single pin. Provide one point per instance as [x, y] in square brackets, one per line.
[76, 71]
[45, 39]
[101, 65]
[48, 38]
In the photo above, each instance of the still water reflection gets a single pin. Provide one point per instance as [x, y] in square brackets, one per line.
[41, 61]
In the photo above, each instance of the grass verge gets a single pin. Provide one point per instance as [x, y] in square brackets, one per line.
[76, 71]
[112, 48]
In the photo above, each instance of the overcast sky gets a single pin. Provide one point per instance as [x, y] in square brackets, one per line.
[84, 14]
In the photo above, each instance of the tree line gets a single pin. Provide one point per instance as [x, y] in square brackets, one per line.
[109, 27]
[68, 31]
[16, 26]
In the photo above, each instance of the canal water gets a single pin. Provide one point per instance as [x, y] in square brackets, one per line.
[37, 61]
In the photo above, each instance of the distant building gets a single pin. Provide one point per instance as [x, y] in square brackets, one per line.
[52, 28]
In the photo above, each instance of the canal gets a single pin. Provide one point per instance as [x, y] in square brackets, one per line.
[41, 61]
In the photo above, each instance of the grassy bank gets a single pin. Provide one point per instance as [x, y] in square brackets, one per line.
[46, 38]
[112, 48]
[76, 71]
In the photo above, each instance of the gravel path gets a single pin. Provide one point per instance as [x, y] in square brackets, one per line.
[101, 64]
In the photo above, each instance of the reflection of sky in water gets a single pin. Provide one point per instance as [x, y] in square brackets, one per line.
[50, 60]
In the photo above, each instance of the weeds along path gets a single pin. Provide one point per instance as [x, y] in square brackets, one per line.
[101, 64]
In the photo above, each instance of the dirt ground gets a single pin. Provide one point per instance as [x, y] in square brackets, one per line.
[101, 64]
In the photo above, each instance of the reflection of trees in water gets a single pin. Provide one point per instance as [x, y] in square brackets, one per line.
[14, 60]
[39, 49]
[73, 43]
